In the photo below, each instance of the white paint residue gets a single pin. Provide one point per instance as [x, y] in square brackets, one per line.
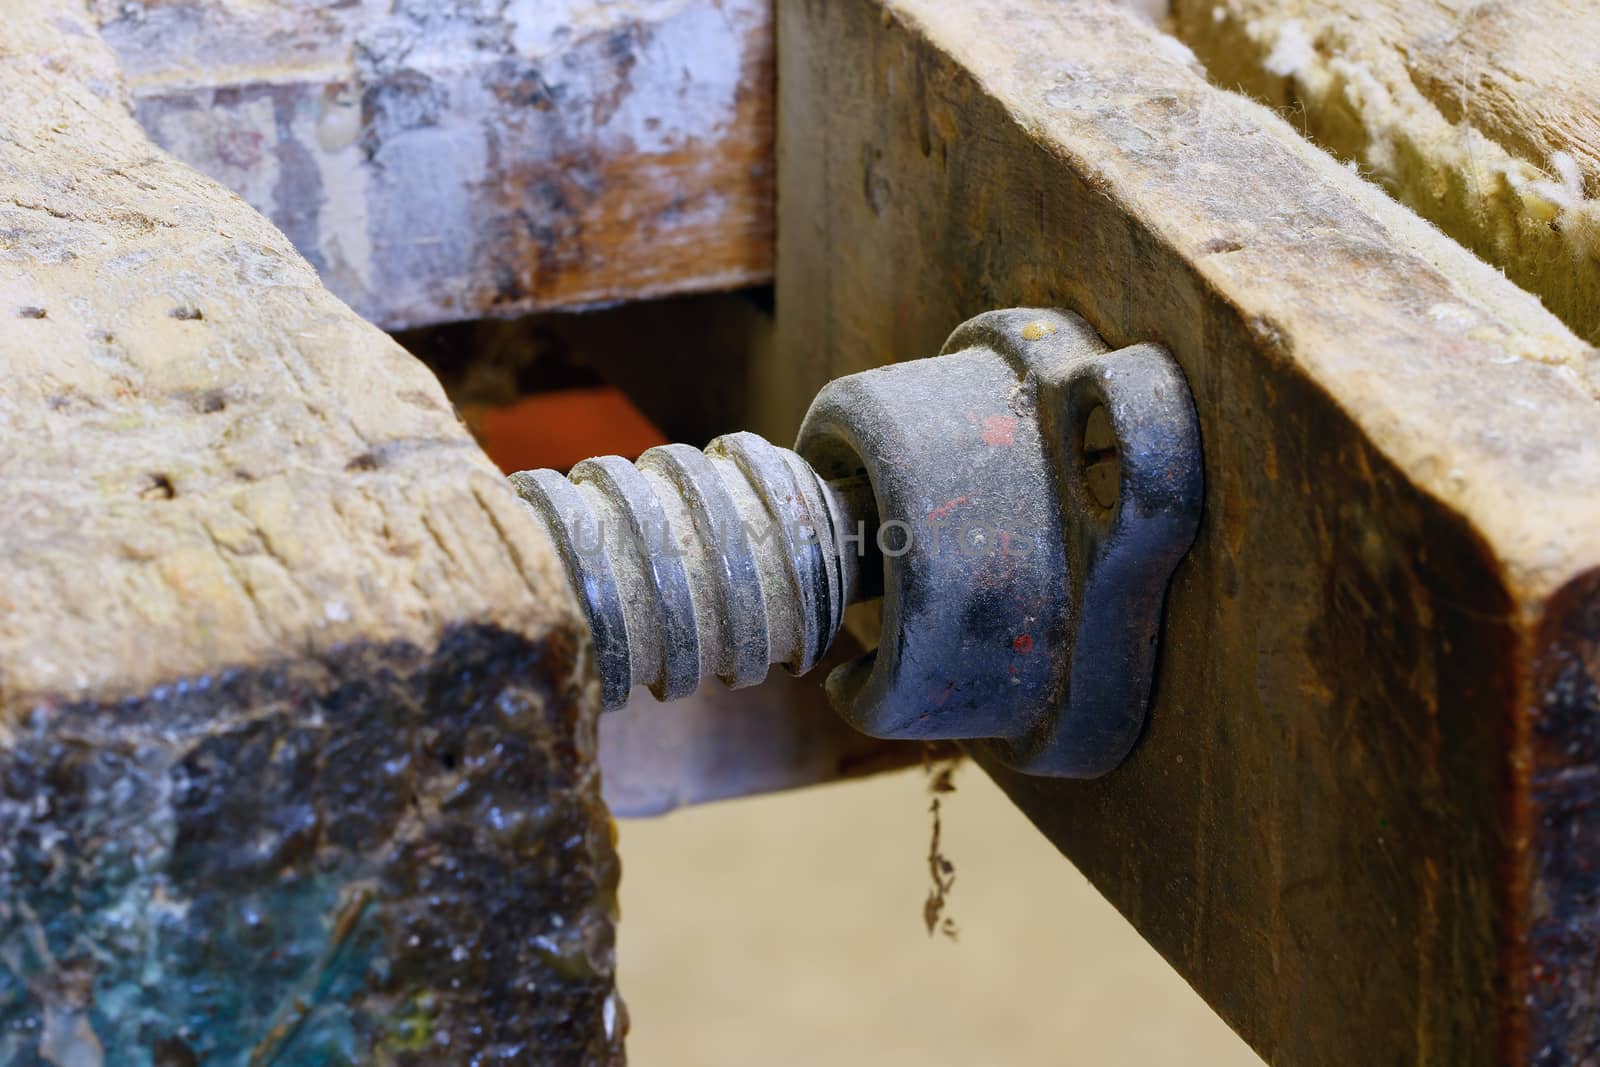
[427, 234]
[1151, 11]
[1371, 99]
[1571, 176]
[236, 146]
[609, 1015]
[682, 83]
[1457, 316]
[403, 228]
[344, 235]
[1176, 50]
[1564, 200]
[1567, 192]
[1291, 52]
[339, 120]
[685, 81]
[541, 28]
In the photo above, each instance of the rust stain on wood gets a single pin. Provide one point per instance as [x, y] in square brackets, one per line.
[451, 163]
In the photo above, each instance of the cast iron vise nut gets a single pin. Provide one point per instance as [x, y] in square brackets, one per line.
[1019, 502]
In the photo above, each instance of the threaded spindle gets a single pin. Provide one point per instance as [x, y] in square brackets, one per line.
[690, 564]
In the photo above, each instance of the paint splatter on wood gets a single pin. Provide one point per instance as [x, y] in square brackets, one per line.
[457, 160]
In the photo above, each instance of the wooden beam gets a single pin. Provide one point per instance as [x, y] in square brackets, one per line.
[1483, 119]
[1362, 818]
[296, 732]
[435, 162]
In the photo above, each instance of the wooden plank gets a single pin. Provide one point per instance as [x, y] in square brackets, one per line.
[1481, 117]
[296, 734]
[1362, 818]
[448, 161]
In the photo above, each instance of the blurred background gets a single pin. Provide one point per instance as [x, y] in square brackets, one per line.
[787, 930]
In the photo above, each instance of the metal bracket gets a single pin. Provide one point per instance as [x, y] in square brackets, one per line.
[1029, 492]
[1035, 492]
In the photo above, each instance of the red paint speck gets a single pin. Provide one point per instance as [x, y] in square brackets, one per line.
[239, 148]
[938, 513]
[999, 431]
[1022, 644]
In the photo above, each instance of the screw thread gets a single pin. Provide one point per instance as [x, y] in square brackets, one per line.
[695, 563]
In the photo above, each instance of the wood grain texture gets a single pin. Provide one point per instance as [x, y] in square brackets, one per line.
[296, 726]
[1482, 117]
[447, 161]
[1360, 818]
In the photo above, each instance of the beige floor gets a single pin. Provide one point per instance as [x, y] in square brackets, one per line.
[787, 930]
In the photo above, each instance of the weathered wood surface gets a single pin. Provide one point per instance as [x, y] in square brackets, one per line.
[296, 744]
[1485, 118]
[1364, 817]
[451, 160]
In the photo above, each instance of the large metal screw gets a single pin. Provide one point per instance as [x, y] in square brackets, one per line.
[696, 563]
[1035, 488]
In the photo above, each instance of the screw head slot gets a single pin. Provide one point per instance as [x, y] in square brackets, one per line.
[1102, 467]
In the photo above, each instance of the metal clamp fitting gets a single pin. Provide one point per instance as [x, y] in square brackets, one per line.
[1029, 490]
[1035, 491]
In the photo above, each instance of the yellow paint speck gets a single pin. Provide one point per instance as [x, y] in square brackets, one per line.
[1037, 329]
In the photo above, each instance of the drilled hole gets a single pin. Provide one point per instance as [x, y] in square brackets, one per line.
[159, 487]
[1102, 467]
